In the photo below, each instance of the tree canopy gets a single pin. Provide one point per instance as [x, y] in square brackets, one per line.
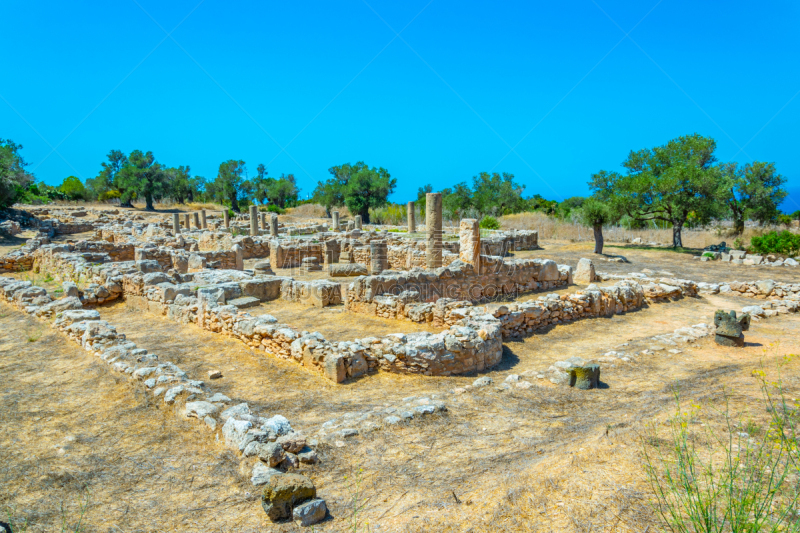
[14, 179]
[230, 183]
[668, 183]
[142, 177]
[73, 188]
[754, 191]
[357, 186]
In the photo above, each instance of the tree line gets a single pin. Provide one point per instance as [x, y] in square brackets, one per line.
[679, 184]
[139, 176]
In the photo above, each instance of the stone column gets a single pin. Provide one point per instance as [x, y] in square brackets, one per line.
[433, 230]
[273, 226]
[186, 220]
[412, 224]
[203, 218]
[469, 236]
[253, 220]
[336, 221]
[196, 219]
[226, 218]
[264, 221]
[176, 223]
[358, 222]
[379, 258]
[239, 252]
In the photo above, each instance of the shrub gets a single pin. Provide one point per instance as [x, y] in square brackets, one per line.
[272, 208]
[708, 254]
[390, 214]
[708, 478]
[784, 242]
[489, 223]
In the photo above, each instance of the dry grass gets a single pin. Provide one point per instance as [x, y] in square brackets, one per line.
[553, 228]
[307, 211]
[544, 459]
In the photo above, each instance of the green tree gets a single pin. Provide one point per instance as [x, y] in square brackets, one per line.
[103, 185]
[14, 179]
[566, 207]
[497, 194]
[667, 183]
[365, 187]
[752, 191]
[261, 184]
[73, 188]
[356, 186]
[144, 177]
[538, 203]
[457, 200]
[181, 183]
[282, 191]
[597, 213]
[229, 183]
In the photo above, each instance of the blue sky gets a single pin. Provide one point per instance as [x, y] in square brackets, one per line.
[549, 91]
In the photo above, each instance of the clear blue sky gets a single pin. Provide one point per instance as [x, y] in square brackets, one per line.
[302, 86]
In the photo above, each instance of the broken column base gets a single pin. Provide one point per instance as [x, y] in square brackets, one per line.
[584, 377]
[724, 340]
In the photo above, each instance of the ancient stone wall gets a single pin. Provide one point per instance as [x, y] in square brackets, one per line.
[291, 255]
[460, 282]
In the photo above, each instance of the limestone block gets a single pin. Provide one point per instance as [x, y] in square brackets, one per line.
[585, 273]
[470, 243]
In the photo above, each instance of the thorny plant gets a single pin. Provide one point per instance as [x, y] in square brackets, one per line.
[728, 480]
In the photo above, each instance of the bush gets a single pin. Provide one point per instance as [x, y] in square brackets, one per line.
[784, 242]
[489, 223]
[272, 208]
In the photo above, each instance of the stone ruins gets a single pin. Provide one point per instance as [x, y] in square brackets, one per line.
[464, 285]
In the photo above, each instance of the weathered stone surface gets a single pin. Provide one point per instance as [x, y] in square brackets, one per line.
[410, 213]
[470, 243]
[200, 409]
[729, 328]
[340, 270]
[263, 473]
[433, 230]
[244, 302]
[379, 259]
[284, 492]
[584, 377]
[310, 513]
[585, 273]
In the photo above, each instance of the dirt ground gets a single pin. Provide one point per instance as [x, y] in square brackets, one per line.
[78, 442]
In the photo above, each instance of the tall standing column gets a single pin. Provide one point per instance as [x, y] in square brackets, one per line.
[357, 222]
[469, 236]
[176, 223]
[226, 217]
[264, 221]
[186, 221]
[433, 230]
[273, 226]
[253, 220]
[412, 224]
[336, 221]
[196, 219]
[203, 218]
[379, 258]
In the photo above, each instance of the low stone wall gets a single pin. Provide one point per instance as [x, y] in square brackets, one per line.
[240, 428]
[524, 318]
[459, 281]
